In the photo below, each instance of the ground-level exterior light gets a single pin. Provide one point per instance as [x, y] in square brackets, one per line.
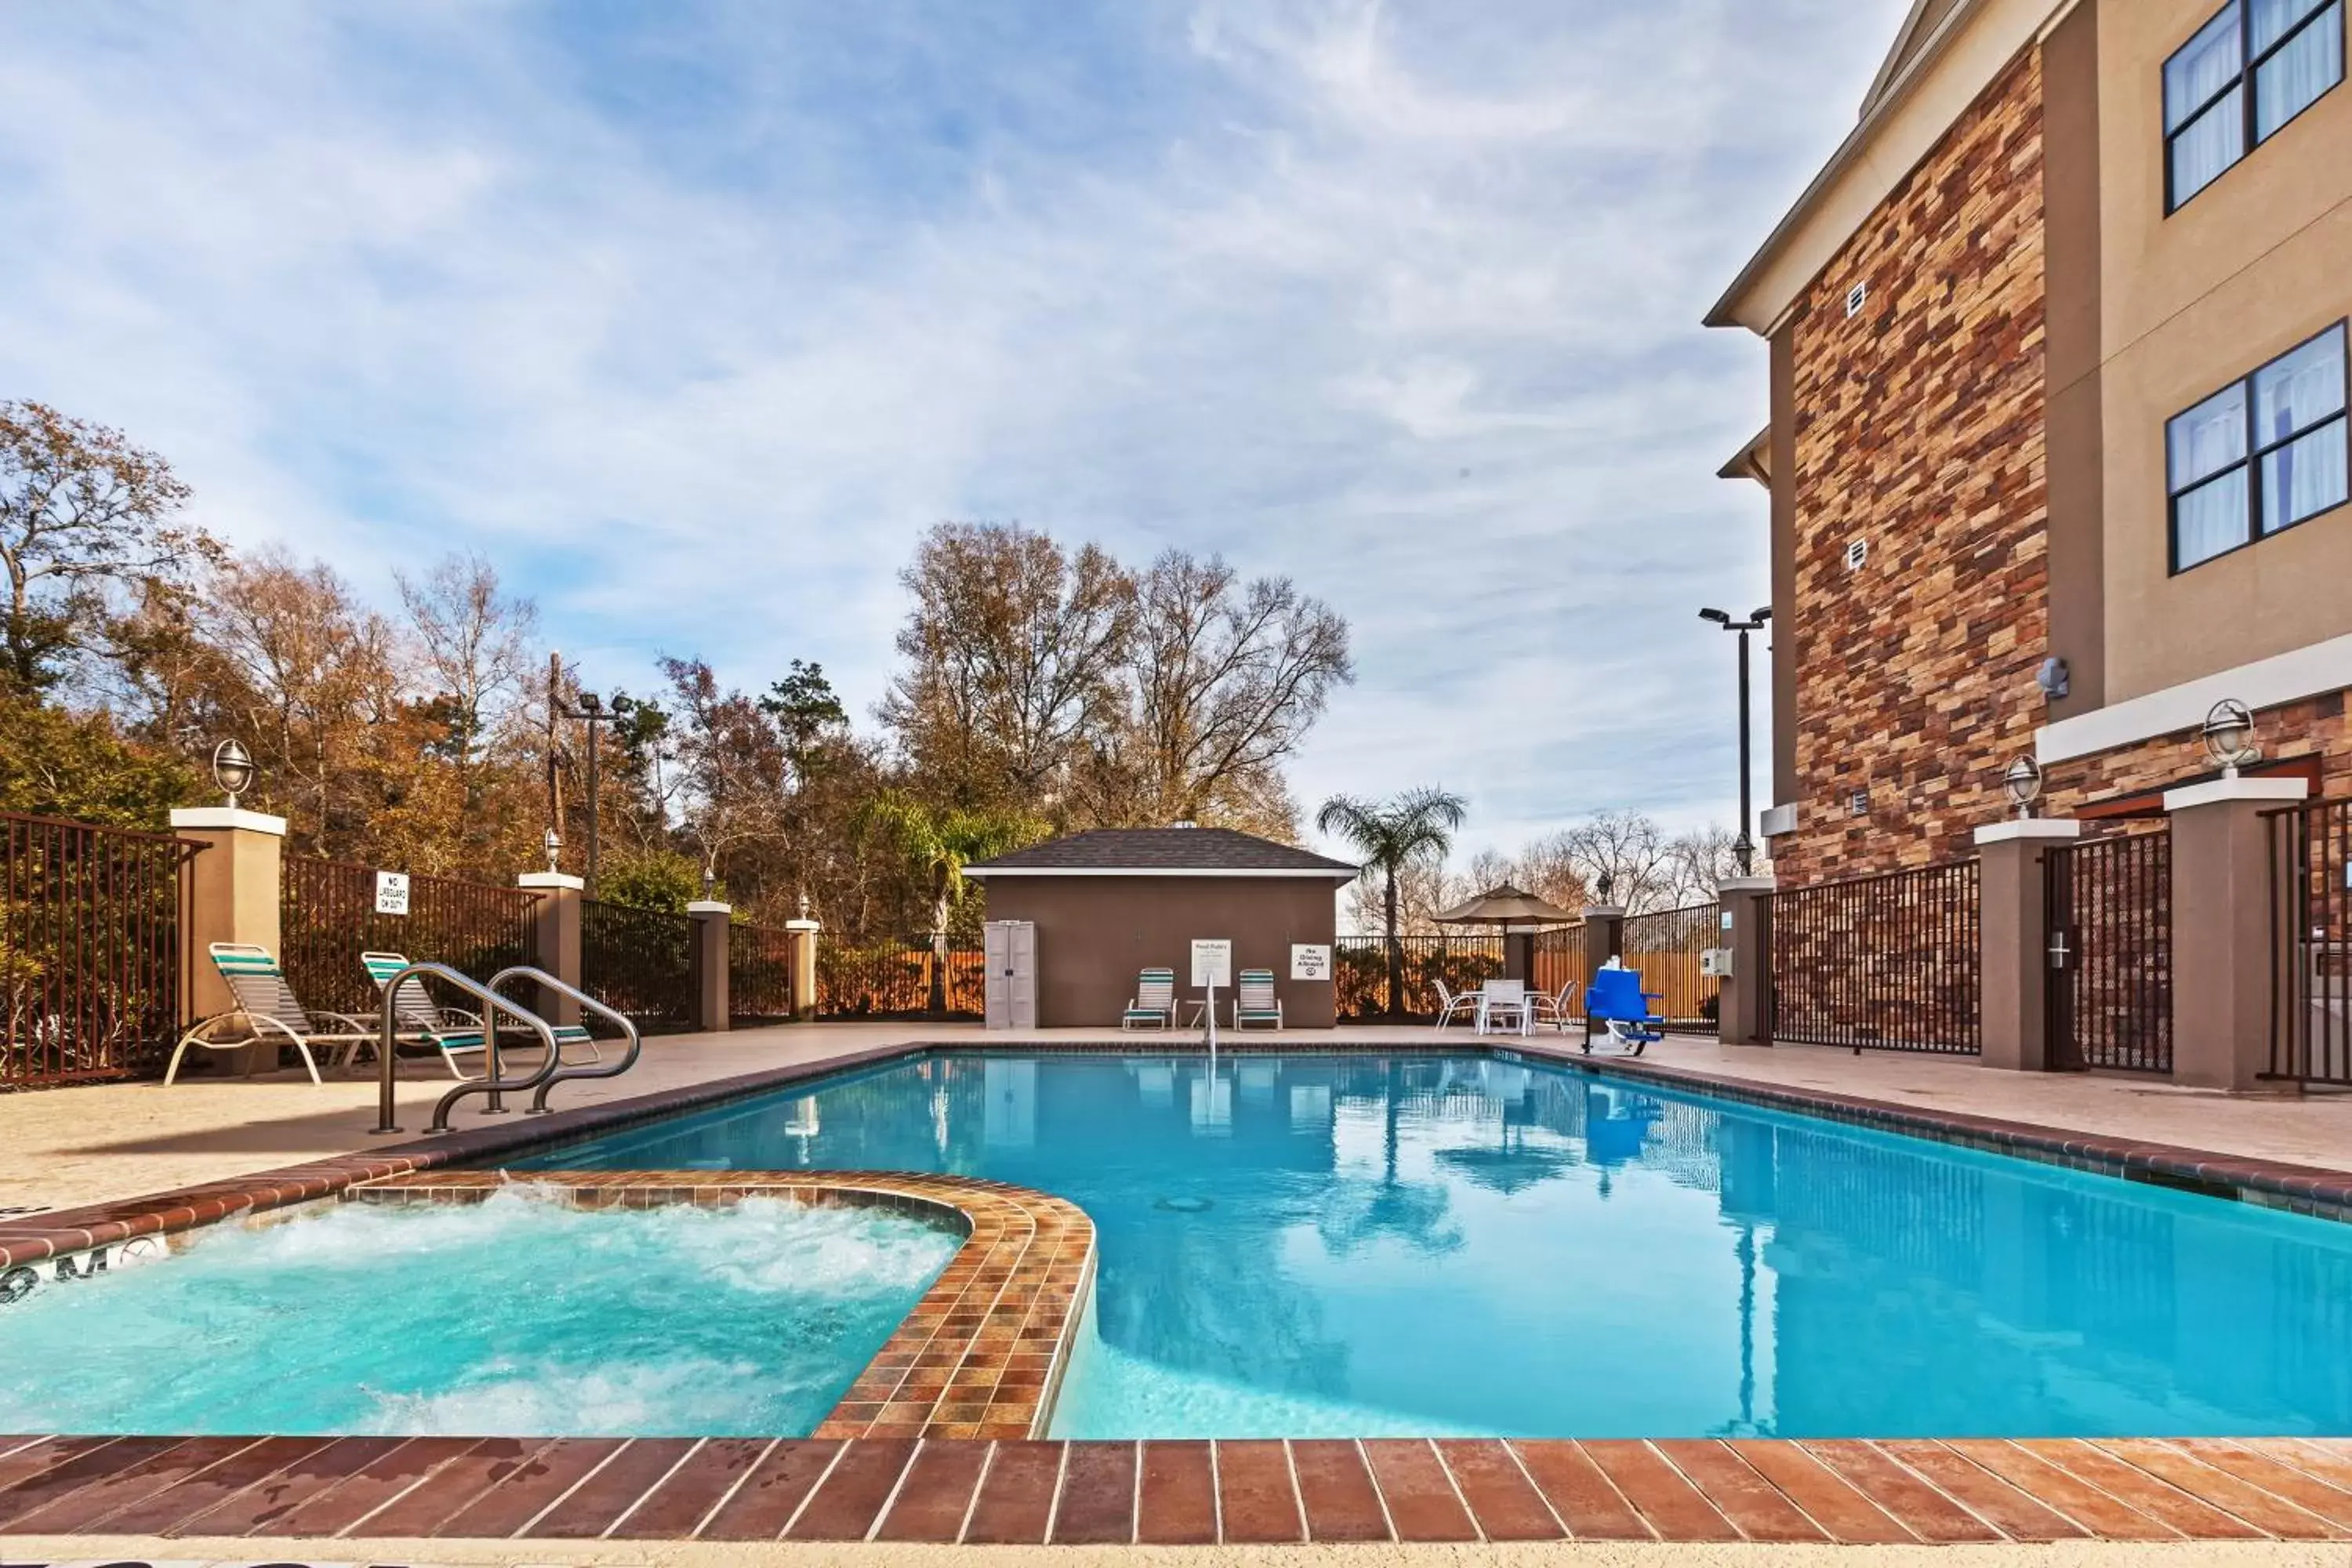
[2229, 735]
[233, 768]
[2023, 784]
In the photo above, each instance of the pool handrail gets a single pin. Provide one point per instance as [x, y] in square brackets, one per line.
[490, 1083]
[559, 1073]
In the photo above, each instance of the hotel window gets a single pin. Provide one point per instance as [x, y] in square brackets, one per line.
[2246, 73]
[2260, 456]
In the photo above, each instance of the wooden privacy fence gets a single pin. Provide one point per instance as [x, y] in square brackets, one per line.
[641, 962]
[1559, 960]
[1666, 947]
[1360, 977]
[327, 917]
[1888, 963]
[900, 977]
[91, 967]
[758, 974]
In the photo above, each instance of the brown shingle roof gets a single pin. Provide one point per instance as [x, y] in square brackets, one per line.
[1164, 851]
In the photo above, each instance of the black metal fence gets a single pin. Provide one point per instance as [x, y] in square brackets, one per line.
[90, 966]
[900, 977]
[1666, 947]
[327, 917]
[2311, 943]
[1361, 976]
[1888, 963]
[2108, 907]
[640, 963]
[758, 974]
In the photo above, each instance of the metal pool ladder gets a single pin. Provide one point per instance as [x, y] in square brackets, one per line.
[494, 1084]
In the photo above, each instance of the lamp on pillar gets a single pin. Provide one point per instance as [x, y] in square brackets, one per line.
[233, 769]
[1743, 848]
[553, 842]
[2229, 735]
[2023, 784]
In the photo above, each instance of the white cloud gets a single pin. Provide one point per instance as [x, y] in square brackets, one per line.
[694, 321]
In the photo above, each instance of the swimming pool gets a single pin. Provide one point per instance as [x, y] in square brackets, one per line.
[515, 1316]
[1361, 1246]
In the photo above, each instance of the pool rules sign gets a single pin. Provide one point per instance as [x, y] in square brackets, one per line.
[392, 892]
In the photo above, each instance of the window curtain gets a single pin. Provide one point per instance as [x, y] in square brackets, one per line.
[2287, 83]
[2305, 478]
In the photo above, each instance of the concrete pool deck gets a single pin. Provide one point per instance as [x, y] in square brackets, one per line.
[106, 1143]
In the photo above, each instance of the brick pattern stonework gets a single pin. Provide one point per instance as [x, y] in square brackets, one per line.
[1920, 430]
[2317, 726]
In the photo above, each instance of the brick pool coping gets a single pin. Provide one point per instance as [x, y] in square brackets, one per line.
[983, 1487]
[1153, 1492]
[982, 1354]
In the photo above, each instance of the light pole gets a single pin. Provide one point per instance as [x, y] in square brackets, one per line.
[591, 713]
[1743, 848]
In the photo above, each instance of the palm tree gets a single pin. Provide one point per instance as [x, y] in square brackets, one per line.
[937, 844]
[1388, 833]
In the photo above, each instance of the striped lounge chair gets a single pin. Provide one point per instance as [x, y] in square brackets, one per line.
[1155, 1001]
[1255, 1001]
[421, 1021]
[267, 1013]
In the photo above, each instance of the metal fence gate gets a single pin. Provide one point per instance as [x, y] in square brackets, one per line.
[2107, 906]
[2311, 935]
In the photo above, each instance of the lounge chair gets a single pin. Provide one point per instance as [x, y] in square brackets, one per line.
[1154, 1003]
[270, 1014]
[419, 1020]
[1255, 1001]
[1451, 1004]
[1616, 1001]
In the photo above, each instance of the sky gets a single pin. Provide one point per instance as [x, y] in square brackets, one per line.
[692, 315]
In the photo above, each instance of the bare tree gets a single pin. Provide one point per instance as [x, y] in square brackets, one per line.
[1228, 679]
[82, 511]
[1623, 857]
[1014, 650]
[475, 650]
[731, 765]
[1699, 862]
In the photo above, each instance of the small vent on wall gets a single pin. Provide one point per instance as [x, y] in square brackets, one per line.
[1856, 554]
[1858, 803]
[1855, 297]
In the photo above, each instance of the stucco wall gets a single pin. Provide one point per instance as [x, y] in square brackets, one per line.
[2255, 264]
[1920, 430]
[1095, 933]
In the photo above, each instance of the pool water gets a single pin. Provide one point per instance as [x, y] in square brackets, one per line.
[1355, 1246]
[516, 1315]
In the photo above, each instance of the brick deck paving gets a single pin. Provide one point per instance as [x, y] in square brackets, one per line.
[950, 1490]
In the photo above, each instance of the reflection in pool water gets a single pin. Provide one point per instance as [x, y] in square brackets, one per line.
[1353, 1244]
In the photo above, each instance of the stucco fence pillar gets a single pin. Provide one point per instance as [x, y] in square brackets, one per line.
[803, 935]
[711, 999]
[558, 938]
[1743, 1013]
[2222, 930]
[233, 897]
[2014, 933]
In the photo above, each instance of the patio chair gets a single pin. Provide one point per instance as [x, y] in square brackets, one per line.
[1502, 1005]
[1453, 1003]
[1154, 1003]
[1255, 1001]
[1552, 1007]
[1616, 1001]
[418, 1020]
[270, 1013]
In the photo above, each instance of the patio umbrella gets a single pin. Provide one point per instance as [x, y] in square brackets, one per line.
[1506, 905]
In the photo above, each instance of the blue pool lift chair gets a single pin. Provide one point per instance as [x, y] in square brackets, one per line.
[1154, 1003]
[1616, 1001]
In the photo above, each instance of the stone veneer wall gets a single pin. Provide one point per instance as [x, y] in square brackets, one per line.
[2316, 725]
[1919, 428]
